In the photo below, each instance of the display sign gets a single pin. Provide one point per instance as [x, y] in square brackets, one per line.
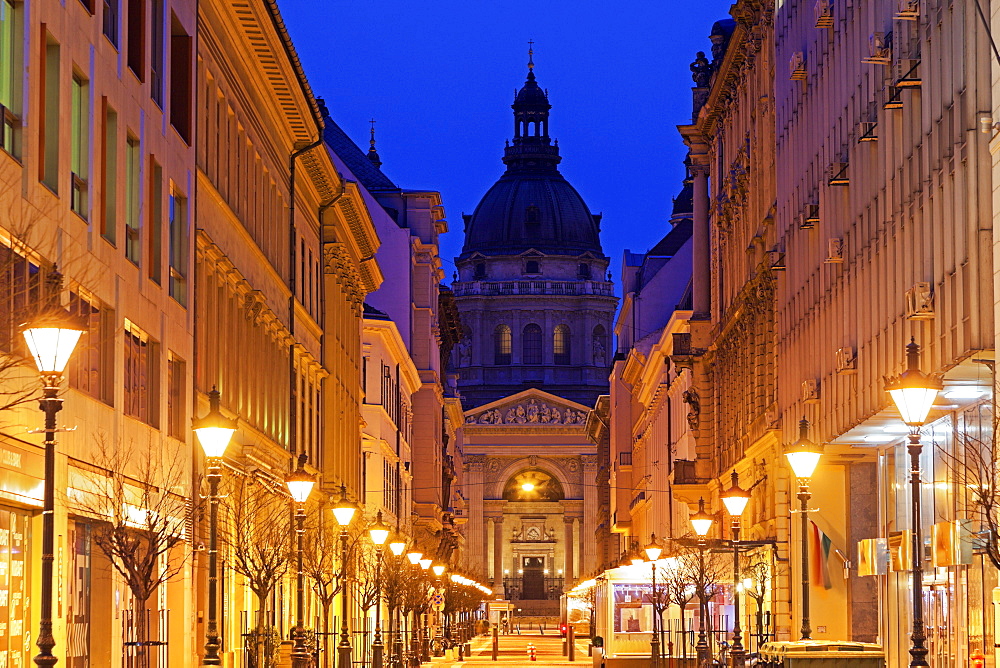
[633, 611]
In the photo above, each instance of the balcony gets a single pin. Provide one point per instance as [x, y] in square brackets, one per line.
[498, 288]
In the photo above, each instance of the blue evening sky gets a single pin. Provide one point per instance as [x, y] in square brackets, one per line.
[439, 77]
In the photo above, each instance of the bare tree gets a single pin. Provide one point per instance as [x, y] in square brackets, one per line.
[256, 536]
[140, 507]
[758, 575]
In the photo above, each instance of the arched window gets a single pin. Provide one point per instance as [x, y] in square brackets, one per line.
[600, 346]
[561, 344]
[531, 267]
[501, 345]
[480, 271]
[531, 344]
[583, 271]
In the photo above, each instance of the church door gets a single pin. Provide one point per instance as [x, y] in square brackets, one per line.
[533, 578]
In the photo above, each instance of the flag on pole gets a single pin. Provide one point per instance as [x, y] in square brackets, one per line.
[820, 546]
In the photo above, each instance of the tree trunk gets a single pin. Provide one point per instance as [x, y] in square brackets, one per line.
[140, 624]
[327, 603]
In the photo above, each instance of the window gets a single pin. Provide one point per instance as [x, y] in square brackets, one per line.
[531, 214]
[600, 346]
[141, 396]
[583, 270]
[480, 270]
[532, 221]
[79, 139]
[136, 38]
[531, 267]
[157, 59]
[178, 247]
[91, 368]
[176, 413]
[180, 79]
[109, 174]
[110, 21]
[561, 344]
[531, 344]
[132, 199]
[10, 73]
[20, 295]
[88, 5]
[501, 345]
[155, 227]
[48, 137]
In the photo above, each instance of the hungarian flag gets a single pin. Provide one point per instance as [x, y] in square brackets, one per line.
[819, 548]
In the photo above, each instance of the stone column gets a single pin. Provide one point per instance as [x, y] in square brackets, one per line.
[490, 547]
[568, 552]
[578, 548]
[588, 523]
[498, 556]
[701, 264]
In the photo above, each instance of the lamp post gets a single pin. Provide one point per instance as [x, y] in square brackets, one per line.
[51, 340]
[736, 498]
[214, 431]
[300, 485]
[913, 392]
[803, 456]
[702, 522]
[344, 511]
[653, 552]
[397, 545]
[379, 533]
[438, 569]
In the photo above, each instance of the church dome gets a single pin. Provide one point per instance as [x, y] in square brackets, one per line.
[524, 210]
[532, 205]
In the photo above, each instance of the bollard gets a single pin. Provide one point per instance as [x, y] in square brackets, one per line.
[571, 643]
[531, 652]
[496, 643]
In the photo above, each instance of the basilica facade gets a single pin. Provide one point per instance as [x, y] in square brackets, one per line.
[536, 313]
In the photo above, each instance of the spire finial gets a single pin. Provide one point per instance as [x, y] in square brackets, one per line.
[531, 54]
[372, 153]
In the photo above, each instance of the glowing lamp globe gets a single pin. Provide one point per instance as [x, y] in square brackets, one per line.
[654, 549]
[51, 340]
[344, 510]
[701, 521]
[425, 563]
[735, 498]
[398, 544]
[414, 557]
[803, 455]
[913, 391]
[438, 569]
[379, 532]
[299, 482]
[215, 430]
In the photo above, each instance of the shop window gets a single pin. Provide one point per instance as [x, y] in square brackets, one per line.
[91, 368]
[10, 74]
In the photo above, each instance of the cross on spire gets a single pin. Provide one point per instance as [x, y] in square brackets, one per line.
[531, 54]
[372, 153]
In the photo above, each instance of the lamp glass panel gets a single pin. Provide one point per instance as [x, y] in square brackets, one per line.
[736, 504]
[300, 489]
[397, 547]
[51, 347]
[701, 525]
[803, 463]
[379, 535]
[214, 440]
[653, 552]
[344, 514]
[914, 403]
[414, 557]
[425, 563]
[438, 569]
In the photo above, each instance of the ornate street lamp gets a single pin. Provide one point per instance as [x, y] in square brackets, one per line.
[914, 392]
[653, 551]
[736, 499]
[803, 456]
[379, 533]
[344, 511]
[300, 485]
[214, 431]
[51, 339]
[702, 523]
[397, 545]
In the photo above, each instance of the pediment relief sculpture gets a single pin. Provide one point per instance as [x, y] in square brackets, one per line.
[530, 412]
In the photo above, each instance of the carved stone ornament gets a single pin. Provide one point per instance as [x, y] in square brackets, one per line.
[493, 466]
[530, 412]
[691, 398]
